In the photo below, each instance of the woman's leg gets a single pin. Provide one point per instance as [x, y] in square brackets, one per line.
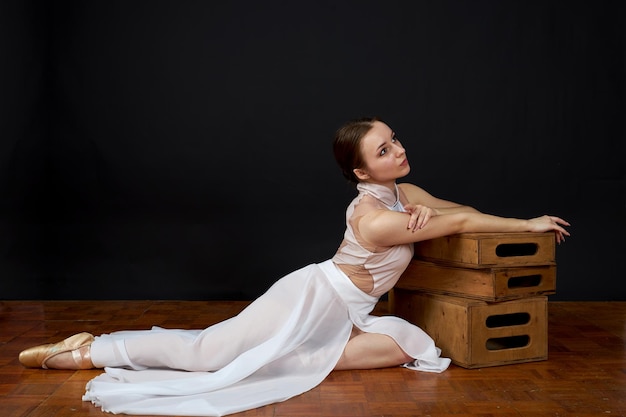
[371, 350]
[274, 313]
[191, 350]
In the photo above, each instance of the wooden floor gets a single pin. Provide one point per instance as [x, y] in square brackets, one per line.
[585, 374]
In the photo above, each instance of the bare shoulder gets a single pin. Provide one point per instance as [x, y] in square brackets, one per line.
[407, 186]
[413, 192]
[418, 195]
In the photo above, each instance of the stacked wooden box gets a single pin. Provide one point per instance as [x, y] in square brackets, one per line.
[481, 296]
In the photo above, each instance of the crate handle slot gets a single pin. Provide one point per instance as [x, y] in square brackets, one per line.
[505, 250]
[511, 342]
[507, 320]
[524, 281]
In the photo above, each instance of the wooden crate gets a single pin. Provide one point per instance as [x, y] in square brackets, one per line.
[476, 334]
[480, 250]
[489, 284]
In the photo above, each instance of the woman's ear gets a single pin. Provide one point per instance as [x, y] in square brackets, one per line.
[360, 174]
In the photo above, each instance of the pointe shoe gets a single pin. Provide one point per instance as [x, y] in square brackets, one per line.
[36, 357]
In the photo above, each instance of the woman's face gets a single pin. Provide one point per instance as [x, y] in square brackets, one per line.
[383, 156]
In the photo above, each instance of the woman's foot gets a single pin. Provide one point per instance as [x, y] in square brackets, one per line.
[71, 353]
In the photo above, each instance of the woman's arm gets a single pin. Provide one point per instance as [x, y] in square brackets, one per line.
[422, 206]
[389, 228]
[419, 196]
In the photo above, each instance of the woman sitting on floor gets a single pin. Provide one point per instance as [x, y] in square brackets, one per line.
[309, 322]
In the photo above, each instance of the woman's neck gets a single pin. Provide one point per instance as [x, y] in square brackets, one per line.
[390, 185]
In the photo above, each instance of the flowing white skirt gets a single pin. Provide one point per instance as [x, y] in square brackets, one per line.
[283, 344]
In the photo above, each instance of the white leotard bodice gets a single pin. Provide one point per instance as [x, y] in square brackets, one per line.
[361, 261]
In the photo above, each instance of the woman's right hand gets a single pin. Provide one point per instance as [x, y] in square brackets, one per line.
[419, 216]
[550, 223]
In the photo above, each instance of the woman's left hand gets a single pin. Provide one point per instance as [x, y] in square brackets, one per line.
[419, 216]
[548, 223]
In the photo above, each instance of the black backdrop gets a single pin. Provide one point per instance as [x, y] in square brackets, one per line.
[181, 149]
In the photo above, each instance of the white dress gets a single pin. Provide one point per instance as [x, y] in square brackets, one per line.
[283, 344]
